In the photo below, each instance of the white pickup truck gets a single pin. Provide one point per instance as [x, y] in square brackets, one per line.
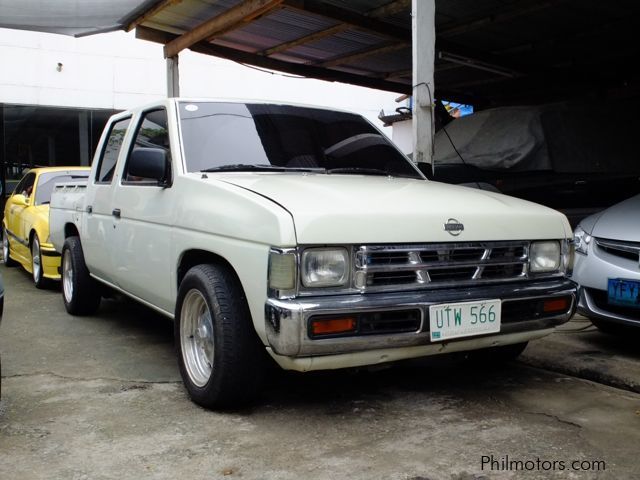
[304, 233]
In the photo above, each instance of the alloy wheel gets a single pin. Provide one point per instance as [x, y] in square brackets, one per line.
[67, 277]
[197, 337]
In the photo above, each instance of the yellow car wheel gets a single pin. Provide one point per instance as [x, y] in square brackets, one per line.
[6, 250]
[36, 263]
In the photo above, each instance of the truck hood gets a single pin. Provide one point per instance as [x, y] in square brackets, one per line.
[617, 223]
[370, 209]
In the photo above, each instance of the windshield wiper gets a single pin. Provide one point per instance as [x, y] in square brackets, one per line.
[359, 170]
[243, 167]
[372, 171]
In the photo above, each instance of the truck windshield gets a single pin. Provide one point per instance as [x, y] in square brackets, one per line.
[258, 137]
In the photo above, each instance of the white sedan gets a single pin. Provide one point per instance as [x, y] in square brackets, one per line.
[607, 265]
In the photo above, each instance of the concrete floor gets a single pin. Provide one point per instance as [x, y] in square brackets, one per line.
[101, 398]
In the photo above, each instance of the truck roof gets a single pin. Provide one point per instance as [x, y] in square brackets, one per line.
[167, 101]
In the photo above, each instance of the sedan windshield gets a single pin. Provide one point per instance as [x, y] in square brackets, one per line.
[258, 137]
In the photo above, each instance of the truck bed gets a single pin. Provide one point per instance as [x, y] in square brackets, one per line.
[67, 201]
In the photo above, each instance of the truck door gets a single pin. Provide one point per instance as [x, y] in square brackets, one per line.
[144, 215]
[98, 228]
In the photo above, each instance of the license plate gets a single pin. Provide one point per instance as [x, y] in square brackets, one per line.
[464, 319]
[625, 293]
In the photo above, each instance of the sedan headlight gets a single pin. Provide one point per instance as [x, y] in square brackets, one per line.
[325, 267]
[544, 257]
[581, 240]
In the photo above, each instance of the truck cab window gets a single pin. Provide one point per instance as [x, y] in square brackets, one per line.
[152, 133]
[111, 150]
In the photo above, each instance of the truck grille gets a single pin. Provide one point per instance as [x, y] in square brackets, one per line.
[379, 268]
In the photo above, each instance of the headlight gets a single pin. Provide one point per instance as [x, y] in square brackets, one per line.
[544, 257]
[325, 267]
[581, 240]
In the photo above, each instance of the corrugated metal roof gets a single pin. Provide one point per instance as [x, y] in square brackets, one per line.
[493, 51]
[70, 17]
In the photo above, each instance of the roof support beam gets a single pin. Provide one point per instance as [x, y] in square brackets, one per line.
[385, 10]
[365, 22]
[390, 8]
[273, 64]
[157, 8]
[228, 20]
[399, 74]
[341, 27]
[470, 25]
[353, 57]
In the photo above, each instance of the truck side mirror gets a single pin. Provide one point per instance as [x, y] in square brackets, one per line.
[151, 163]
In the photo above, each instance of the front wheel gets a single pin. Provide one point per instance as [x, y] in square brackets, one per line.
[6, 250]
[80, 292]
[219, 354]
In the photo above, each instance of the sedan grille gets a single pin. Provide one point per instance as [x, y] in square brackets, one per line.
[385, 267]
[628, 250]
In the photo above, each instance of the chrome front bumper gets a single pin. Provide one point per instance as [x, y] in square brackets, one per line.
[286, 321]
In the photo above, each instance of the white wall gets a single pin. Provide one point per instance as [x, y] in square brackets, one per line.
[117, 71]
[96, 71]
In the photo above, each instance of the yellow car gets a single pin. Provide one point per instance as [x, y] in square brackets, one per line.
[25, 226]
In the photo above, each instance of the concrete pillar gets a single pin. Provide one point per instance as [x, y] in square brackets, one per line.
[424, 41]
[83, 137]
[51, 144]
[173, 77]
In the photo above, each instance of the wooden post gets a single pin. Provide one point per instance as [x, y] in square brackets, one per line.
[424, 40]
[173, 77]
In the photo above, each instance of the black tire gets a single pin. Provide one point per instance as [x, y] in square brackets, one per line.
[497, 355]
[236, 360]
[6, 250]
[80, 292]
[37, 270]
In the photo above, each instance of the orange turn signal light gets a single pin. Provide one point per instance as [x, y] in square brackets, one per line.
[556, 305]
[333, 326]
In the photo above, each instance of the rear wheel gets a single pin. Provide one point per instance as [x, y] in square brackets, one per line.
[36, 263]
[220, 358]
[6, 250]
[80, 292]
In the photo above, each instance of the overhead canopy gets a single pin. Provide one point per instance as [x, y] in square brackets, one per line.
[493, 52]
[70, 17]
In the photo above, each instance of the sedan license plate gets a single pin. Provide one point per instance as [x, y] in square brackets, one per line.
[625, 293]
[465, 319]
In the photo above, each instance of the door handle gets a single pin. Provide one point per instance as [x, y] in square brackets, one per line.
[89, 209]
[116, 212]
